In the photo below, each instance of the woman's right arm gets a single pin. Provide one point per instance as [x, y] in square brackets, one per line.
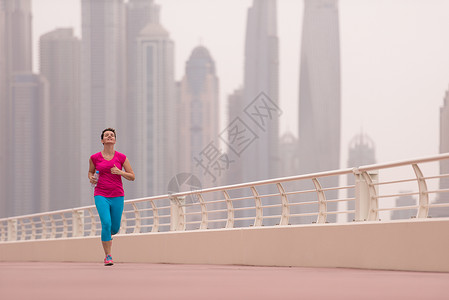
[91, 172]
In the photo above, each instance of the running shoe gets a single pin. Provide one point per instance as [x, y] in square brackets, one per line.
[108, 260]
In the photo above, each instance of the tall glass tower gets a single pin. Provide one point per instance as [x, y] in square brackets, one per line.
[198, 115]
[103, 75]
[139, 13]
[15, 58]
[261, 160]
[60, 60]
[444, 165]
[319, 92]
[156, 122]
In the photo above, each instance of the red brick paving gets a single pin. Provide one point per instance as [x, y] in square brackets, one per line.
[38, 280]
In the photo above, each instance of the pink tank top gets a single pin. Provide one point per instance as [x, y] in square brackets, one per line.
[108, 185]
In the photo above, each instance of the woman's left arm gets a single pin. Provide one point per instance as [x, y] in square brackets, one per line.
[127, 174]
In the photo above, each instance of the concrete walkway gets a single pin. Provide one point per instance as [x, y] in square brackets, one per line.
[125, 281]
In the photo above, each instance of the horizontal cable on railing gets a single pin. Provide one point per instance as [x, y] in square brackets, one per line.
[395, 181]
[271, 205]
[217, 211]
[243, 218]
[302, 203]
[269, 195]
[242, 198]
[437, 176]
[439, 205]
[192, 213]
[334, 212]
[397, 195]
[215, 201]
[438, 191]
[300, 192]
[348, 211]
[398, 208]
[270, 217]
[334, 188]
[244, 208]
[304, 214]
[217, 220]
[340, 200]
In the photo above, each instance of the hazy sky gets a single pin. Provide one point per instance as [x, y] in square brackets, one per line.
[394, 61]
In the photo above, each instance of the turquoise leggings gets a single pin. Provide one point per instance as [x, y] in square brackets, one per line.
[110, 211]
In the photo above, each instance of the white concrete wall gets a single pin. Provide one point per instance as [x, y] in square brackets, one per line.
[417, 245]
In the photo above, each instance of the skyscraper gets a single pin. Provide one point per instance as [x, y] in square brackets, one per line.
[60, 63]
[103, 76]
[156, 119]
[15, 57]
[139, 13]
[289, 154]
[261, 160]
[319, 92]
[361, 153]
[30, 144]
[444, 165]
[198, 115]
[234, 110]
[3, 108]
[256, 111]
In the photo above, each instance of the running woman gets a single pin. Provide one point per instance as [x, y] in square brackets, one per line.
[109, 194]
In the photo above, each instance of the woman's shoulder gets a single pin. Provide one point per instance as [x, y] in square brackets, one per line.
[95, 156]
[121, 156]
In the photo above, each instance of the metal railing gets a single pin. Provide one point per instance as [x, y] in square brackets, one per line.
[311, 198]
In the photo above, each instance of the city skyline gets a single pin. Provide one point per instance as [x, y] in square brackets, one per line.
[405, 129]
[372, 101]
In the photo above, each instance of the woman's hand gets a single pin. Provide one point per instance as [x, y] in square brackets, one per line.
[92, 179]
[117, 171]
[127, 174]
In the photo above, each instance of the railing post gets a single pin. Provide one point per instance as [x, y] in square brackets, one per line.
[177, 214]
[230, 210]
[78, 223]
[322, 205]
[12, 230]
[423, 208]
[365, 195]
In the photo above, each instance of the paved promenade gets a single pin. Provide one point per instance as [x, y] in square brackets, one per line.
[163, 281]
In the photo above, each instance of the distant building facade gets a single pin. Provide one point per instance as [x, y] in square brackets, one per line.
[444, 165]
[139, 13]
[198, 119]
[261, 112]
[15, 58]
[103, 77]
[319, 94]
[257, 114]
[289, 154]
[60, 61]
[29, 141]
[156, 121]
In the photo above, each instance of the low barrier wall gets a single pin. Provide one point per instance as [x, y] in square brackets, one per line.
[412, 245]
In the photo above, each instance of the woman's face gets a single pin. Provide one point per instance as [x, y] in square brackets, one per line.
[108, 137]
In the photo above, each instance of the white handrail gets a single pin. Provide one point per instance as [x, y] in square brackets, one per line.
[278, 201]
